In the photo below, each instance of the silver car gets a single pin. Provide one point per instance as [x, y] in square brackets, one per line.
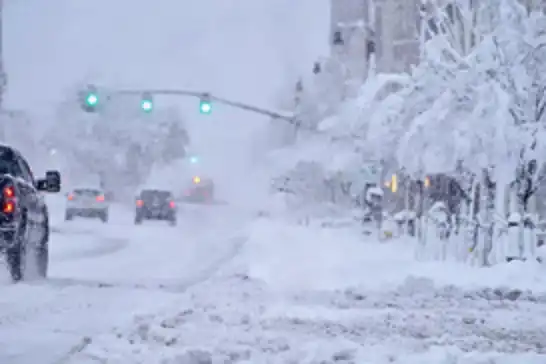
[87, 202]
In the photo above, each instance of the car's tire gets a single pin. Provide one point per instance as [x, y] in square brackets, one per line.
[172, 222]
[14, 262]
[16, 254]
[104, 216]
[68, 215]
[41, 254]
[138, 220]
[41, 251]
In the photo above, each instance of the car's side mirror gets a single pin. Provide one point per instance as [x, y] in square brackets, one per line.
[51, 182]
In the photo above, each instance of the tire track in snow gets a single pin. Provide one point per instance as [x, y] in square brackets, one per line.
[155, 285]
[239, 243]
[86, 298]
[105, 247]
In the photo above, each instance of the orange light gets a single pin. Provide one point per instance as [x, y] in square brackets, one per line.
[427, 181]
[100, 198]
[196, 180]
[70, 197]
[9, 192]
[9, 207]
[172, 205]
[140, 203]
[394, 183]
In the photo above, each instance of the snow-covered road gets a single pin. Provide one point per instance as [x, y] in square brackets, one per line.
[102, 275]
[223, 287]
[304, 296]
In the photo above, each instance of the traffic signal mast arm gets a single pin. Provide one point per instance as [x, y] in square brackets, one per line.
[255, 109]
[205, 95]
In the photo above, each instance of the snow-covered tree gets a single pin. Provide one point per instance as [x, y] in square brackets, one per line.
[489, 116]
[119, 144]
[456, 20]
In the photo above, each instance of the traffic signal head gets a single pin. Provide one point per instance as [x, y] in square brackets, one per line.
[194, 160]
[89, 98]
[92, 99]
[147, 103]
[205, 106]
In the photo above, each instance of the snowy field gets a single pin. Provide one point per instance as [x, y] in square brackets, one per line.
[261, 291]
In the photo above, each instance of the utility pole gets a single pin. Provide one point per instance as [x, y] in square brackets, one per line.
[3, 76]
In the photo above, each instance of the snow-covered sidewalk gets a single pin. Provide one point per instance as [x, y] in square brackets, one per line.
[298, 295]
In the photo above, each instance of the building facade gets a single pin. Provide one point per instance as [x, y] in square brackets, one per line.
[391, 26]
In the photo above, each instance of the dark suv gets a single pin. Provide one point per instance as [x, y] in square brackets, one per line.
[155, 205]
[24, 218]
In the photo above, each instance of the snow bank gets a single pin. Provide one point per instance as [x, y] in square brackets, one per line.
[292, 258]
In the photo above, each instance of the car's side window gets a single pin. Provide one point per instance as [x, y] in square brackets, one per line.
[26, 172]
[16, 170]
[9, 163]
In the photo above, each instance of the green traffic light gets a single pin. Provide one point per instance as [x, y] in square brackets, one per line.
[92, 100]
[205, 107]
[146, 105]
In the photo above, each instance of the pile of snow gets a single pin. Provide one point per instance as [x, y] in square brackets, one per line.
[306, 295]
[339, 258]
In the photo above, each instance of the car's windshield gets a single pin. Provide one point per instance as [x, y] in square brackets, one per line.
[87, 192]
[8, 162]
[155, 194]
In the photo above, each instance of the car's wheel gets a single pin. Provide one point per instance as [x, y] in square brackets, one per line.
[41, 251]
[138, 220]
[68, 215]
[172, 222]
[41, 256]
[16, 254]
[104, 216]
[14, 260]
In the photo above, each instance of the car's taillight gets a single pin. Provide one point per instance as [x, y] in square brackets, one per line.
[172, 204]
[9, 201]
[9, 192]
[100, 198]
[9, 207]
[140, 203]
[70, 197]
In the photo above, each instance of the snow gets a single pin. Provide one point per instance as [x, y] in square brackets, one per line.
[104, 275]
[241, 282]
[226, 287]
[302, 295]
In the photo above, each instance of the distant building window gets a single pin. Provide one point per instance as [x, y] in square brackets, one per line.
[337, 38]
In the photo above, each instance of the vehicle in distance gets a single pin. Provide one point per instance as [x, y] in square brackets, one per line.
[24, 218]
[153, 204]
[200, 190]
[86, 202]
